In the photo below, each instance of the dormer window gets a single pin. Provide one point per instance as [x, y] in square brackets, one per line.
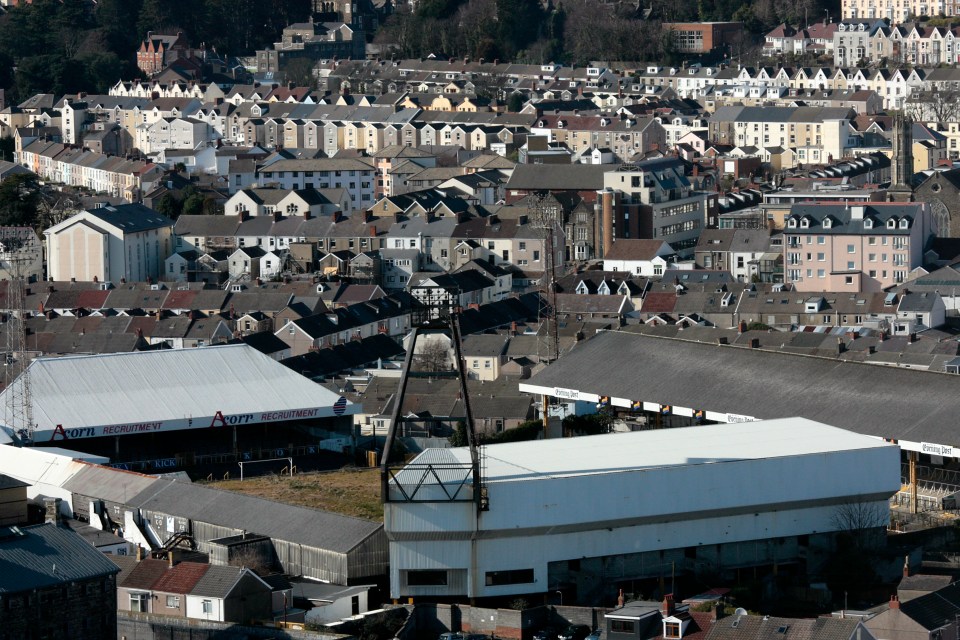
[792, 223]
[671, 629]
[804, 223]
[827, 223]
[905, 223]
[867, 223]
[892, 223]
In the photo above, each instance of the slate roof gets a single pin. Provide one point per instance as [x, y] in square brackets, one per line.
[766, 627]
[573, 177]
[217, 582]
[131, 218]
[45, 555]
[343, 357]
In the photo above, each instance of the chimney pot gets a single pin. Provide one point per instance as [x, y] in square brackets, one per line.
[170, 559]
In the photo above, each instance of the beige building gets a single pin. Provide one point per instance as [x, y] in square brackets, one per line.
[110, 243]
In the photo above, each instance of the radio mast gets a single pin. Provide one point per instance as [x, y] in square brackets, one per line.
[18, 408]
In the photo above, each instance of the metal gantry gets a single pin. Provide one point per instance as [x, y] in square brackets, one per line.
[452, 477]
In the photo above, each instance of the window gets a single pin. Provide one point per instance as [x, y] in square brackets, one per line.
[426, 578]
[848, 279]
[622, 626]
[821, 257]
[821, 239]
[206, 606]
[139, 602]
[671, 629]
[476, 364]
[523, 246]
[514, 576]
[851, 248]
[173, 602]
[536, 256]
[821, 273]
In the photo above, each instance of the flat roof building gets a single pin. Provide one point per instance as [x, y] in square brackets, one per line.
[560, 511]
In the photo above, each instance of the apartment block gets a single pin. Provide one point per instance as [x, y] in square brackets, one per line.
[833, 247]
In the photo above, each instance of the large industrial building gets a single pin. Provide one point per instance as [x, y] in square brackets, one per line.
[164, 404]
[148, 510]
[584, 514]
[687, 378]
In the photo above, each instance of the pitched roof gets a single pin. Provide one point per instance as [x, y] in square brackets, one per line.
[217, 582]
[765, 627]
[628, 249]
[45, 555]
[181, 578]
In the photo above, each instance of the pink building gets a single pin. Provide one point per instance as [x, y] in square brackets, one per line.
[834, 247]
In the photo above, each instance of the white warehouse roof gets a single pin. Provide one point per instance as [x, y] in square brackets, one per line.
[710, 493]
[125, 393]
[638, 450]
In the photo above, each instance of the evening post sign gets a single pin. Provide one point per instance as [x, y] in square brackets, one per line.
[218, 419]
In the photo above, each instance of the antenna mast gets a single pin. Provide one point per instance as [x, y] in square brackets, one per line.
[18, 408]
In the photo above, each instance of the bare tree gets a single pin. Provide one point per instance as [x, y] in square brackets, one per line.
[860, 520]
[433, 356]
[935, 106]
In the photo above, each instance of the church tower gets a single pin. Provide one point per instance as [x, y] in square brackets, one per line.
[901, 164]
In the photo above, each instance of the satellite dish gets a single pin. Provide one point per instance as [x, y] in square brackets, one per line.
[740, 612]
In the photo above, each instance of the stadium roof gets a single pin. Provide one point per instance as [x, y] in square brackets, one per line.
[761, 384]
[124, 393]
[656, 449]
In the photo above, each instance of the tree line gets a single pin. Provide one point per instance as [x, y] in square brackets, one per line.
[574, 31]
[66, 46]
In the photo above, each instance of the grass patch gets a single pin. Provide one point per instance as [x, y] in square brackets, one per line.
[351, 492]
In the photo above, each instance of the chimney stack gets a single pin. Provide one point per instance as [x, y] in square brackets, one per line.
[906, 566]
[170, 559]
[139, 553]
[667, 606]
[894, 602]
[52, 508]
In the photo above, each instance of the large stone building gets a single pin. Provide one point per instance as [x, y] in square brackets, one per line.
[54, 584]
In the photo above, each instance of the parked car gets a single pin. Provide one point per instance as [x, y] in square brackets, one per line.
[595, 635]
[547, 633]
[451, 635]
[575, 632]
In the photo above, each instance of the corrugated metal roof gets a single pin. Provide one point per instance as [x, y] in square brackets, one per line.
[112, 485]
[615, 453]
[862, 398]
[91, 391]
[45, 555]
[320, 529]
